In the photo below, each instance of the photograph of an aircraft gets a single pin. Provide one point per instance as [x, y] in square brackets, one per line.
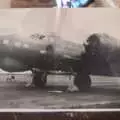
[59, 42]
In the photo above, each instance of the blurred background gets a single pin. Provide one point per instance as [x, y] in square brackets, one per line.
[58, 3]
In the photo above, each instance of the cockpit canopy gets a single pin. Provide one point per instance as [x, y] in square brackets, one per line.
[38, 36]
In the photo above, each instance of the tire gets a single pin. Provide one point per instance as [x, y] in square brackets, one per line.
[40, 79]
[82, 81]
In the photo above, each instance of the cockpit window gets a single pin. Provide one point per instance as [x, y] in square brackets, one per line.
[42, 36]
[38, 36]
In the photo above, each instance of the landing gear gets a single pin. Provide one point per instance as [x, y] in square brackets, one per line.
[40, 79]
[82, 81]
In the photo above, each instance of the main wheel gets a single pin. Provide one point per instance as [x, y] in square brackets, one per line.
[40, 79]
[82, 81]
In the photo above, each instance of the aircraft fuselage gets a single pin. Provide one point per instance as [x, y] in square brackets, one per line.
[19, 54]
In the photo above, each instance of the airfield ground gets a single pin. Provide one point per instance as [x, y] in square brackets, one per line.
[105, 93]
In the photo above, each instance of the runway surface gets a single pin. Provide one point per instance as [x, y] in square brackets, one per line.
[105, 93]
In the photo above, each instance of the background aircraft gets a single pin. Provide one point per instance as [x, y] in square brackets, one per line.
[43, 54]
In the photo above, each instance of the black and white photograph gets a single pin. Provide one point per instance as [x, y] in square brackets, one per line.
[59, 58]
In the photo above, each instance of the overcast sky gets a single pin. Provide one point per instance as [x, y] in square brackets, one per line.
[71, 24]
